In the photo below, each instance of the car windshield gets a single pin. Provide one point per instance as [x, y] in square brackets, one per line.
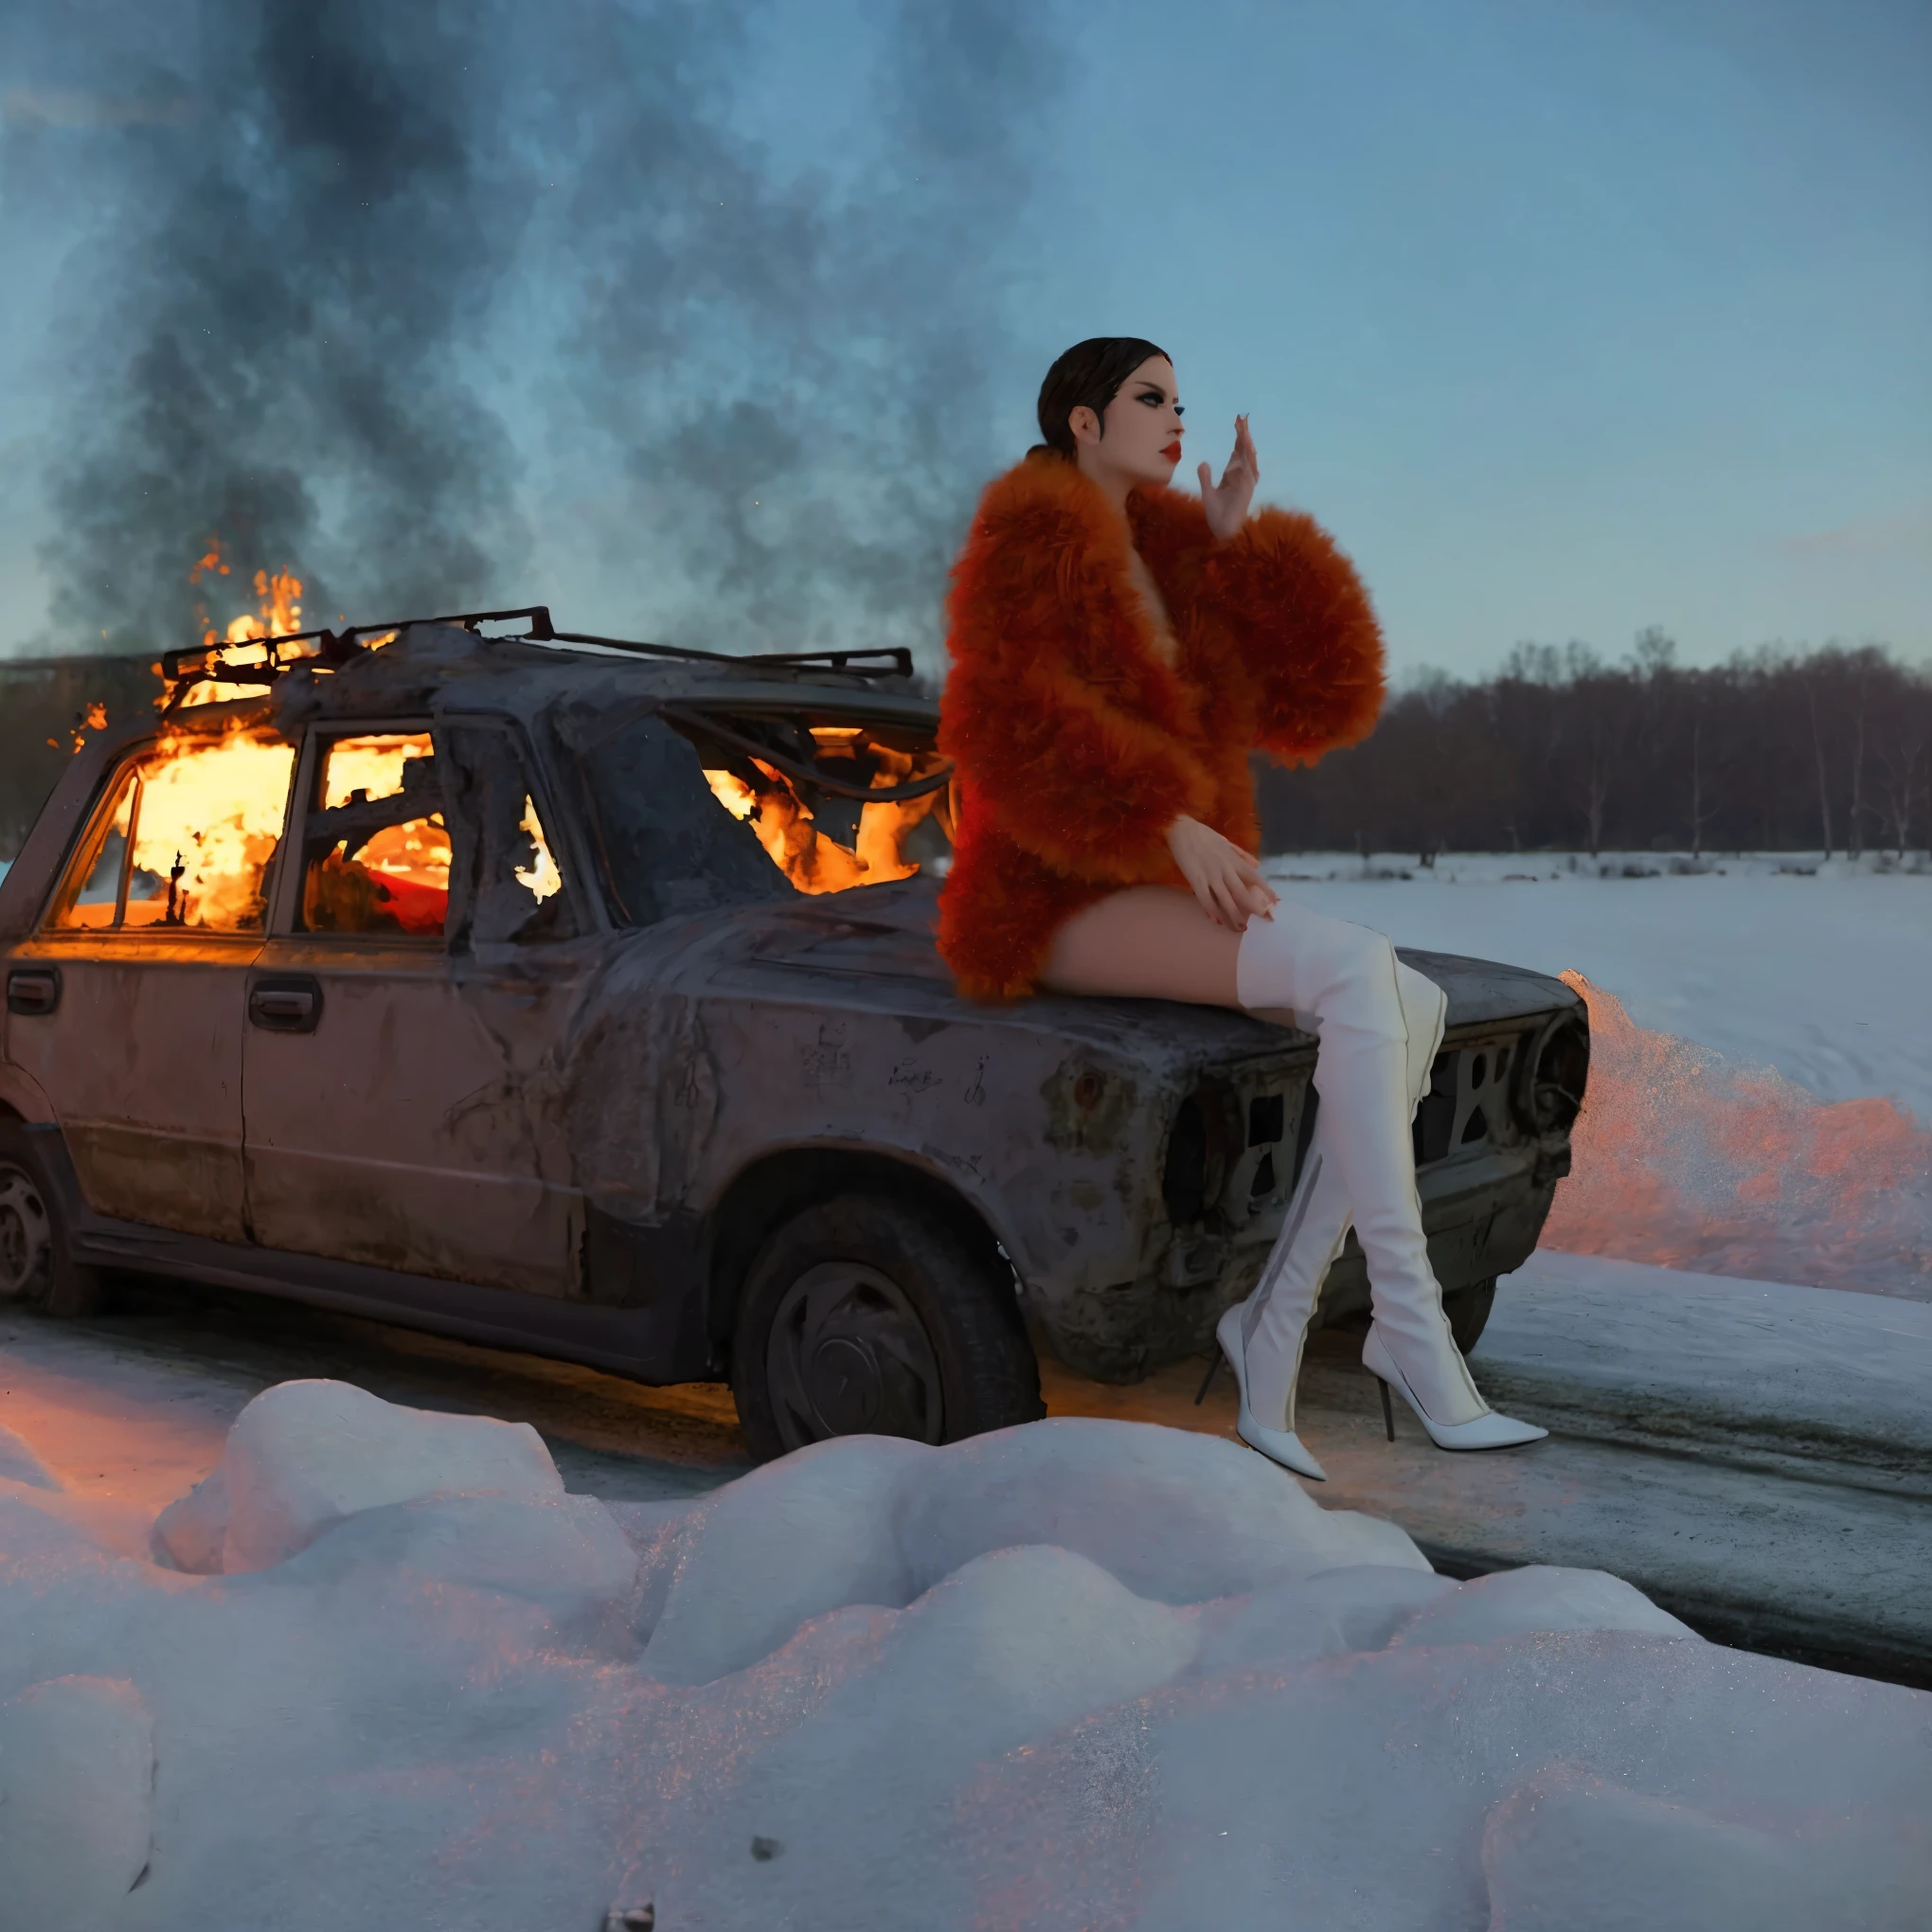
[696, 809]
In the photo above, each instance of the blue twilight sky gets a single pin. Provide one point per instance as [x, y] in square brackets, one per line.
[1566, 318]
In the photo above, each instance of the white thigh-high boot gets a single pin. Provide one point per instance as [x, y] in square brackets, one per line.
[1349, 979]
[1264, 1335]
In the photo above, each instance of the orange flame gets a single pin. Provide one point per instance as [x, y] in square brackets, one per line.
[93, 719]
[1684, 1159]
[811, 859]
[277, 613]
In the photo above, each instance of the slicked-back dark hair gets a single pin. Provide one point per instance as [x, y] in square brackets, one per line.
[1089, 373]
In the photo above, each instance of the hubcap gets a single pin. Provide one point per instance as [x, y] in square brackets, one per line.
[848, 1357]
[26, 1238]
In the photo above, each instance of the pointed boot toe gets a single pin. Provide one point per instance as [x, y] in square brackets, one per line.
[1490, 1430]
[1278, 1445]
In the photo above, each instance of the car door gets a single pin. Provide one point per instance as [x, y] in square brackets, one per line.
[405, 1015]
[127, 1004]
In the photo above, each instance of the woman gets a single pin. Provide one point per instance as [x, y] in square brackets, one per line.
[1118, 651]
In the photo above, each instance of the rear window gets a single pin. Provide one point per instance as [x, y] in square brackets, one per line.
[697, 810]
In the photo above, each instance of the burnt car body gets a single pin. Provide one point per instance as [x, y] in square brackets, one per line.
[503, 1020]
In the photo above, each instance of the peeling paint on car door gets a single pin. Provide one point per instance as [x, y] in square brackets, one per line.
[145, 952]
[406, 1115]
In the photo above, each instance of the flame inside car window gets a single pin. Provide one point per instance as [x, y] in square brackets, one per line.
[390, 870]
[372, 766]
[541, 878]
[186, 837]
[802, 847]
[208, 817]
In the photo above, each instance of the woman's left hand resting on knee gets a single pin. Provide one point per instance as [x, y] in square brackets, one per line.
[1227, 880]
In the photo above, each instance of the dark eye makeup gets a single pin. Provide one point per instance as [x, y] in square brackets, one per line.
[1153, 399]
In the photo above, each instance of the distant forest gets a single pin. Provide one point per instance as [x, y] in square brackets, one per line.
[45, 702]
[1827, 751]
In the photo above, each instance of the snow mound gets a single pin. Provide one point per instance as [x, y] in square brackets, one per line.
[1076, 1674]
[77, 1781]
[1569, 1852]
[1177, 1517]
[1514, 1603]
[18, 1463]
[305, 1455]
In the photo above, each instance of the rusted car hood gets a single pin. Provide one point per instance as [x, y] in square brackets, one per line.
[881, 939]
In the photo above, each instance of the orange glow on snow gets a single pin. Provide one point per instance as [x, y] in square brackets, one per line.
[1683, 1159]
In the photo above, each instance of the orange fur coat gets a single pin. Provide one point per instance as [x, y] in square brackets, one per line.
[1076, 746]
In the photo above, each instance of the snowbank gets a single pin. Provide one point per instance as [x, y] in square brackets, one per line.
[1815, 969]
[1761, 1081]
[1078, 1674]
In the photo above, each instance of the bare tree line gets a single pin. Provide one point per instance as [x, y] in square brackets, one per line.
[1830, 750]
[1825, 750]
[47, 705]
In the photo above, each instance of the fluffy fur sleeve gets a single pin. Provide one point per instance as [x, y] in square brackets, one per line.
[1070, 775]
[1305, 631]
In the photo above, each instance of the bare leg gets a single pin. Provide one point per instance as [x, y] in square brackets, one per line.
[1146, 942]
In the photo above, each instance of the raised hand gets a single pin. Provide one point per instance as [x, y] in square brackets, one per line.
[1227, 501]
[1227, 880]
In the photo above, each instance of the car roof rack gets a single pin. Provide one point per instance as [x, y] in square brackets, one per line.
[205, 663]
[262, 660]
[898, 658]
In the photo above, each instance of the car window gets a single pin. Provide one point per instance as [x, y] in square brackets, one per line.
[821, 838]
[694, 812]
[186, 838]
[508, 888]
[432, 834]
[375, 843]
[666, 845]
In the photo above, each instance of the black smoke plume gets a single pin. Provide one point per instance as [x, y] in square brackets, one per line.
[392, 293]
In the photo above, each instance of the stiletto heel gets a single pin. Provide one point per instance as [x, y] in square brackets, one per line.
[1490, 1431]
[1388, 1413]
[1208, 1380]
[1278, 1445]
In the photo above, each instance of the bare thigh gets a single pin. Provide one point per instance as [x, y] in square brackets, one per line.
[1145, 942]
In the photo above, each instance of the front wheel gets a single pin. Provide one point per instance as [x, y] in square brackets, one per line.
[861, 1316]
[35, 1264]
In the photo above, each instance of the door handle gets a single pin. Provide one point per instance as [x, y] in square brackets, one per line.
[285, 1006]
[33, 990]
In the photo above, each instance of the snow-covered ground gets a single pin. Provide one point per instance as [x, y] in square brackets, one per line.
[1761, 1083]
[1079, 1673]
[1817, 970]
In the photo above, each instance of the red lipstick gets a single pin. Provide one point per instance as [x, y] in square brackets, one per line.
[1172, 452]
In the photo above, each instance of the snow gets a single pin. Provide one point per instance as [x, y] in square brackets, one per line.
[77, 1780]
[1816, 969]
[305, 1455]
[1761, 1078]
[1079, 1672]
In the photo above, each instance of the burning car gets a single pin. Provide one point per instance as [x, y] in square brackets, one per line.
[582, 996]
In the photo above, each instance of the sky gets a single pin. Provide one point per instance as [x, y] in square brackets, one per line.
[706, 322]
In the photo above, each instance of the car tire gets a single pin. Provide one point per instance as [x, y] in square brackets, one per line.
[37, 1267]
[1468, 1310]
[863, 1316]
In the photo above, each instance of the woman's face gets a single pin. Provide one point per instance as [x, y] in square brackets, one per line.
[1142, 442]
